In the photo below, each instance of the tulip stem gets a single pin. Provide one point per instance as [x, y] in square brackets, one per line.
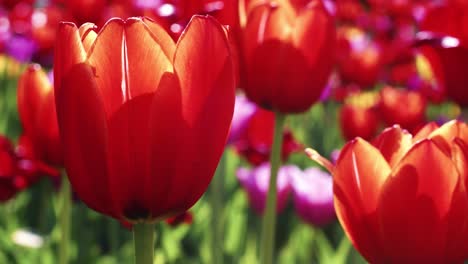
[217, 215]
[269, 216]
[65, 220]
[143, 237]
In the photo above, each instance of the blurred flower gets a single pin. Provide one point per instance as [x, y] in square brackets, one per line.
[18, 170]
[445, 29]
[27, 239]
[21, 48]
[359, 117]
[313, 196]
[359, 57]
[255, 182]
[256, 139]
[86, 11]
[135, 141]
[403, 199]
[36, 107]
[243, 112]
[403, 107]
[287, 51]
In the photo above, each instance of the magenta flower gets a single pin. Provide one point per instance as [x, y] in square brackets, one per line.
[313, 196]
[255, 182]
[243, 112]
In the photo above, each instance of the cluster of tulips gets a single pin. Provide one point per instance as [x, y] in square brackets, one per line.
[128, 106]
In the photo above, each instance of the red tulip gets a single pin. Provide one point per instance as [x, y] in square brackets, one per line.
[143, 120]
[36, 106]
[86, 10]
[256, 139]
[449, 39]
[359, 116]
[402, 199]
[403, 107]
[288, 53]
[359, 57]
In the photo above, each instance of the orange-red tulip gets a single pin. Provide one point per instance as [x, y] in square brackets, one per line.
[359, 116]
[449, 38]
[288, 53]
[36, 107]
[403, 199]
[403, 107]
[143, 120]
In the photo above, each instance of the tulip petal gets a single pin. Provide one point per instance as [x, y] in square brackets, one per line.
[88, 35]
[415, 201]
[358, 178]
[129, 139]
[425, 131]
[393, 143]
[83, 129]
[68, 52]
[107, 57]
[144, 53]
[166, 146]
[207, 89]
[33, 87]
[161, 37]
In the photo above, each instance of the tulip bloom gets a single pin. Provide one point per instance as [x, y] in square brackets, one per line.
[403, 107]
[447, 32]
[36, 107]
[313, 196]
[403, 199]
[143, 120]
[288, 53]
[255, 182]
[255, 141]
[359, 116]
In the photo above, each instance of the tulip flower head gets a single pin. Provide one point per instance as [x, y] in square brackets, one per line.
[255, 182]
[402, 198]
[288, 53]
[36, 107]
[143, 120]
[313, 196]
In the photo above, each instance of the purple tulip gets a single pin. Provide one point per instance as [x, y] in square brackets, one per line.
[21, 48]
[255, 182]
[243, 111]
[313, 196]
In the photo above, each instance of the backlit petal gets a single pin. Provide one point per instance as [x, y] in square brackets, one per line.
[83, 130]
[106, 57]
[146, 60]
[415, 201]
[393, 143]
[358, 178]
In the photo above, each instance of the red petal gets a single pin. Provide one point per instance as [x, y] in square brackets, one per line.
[425, 131]
[83, 129]
[129, 138]
[167, 145]
[161, 37]
[88, 35]
[33, 87]
[68, 52]
[414, 203]
[358, 177]
[106, 56]
[146, 60]
[393, 143]
[207, 90]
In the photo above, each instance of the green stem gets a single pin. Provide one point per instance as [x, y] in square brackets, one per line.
[143, 237]
[217, 215]
[269, 216]
[65, 220]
